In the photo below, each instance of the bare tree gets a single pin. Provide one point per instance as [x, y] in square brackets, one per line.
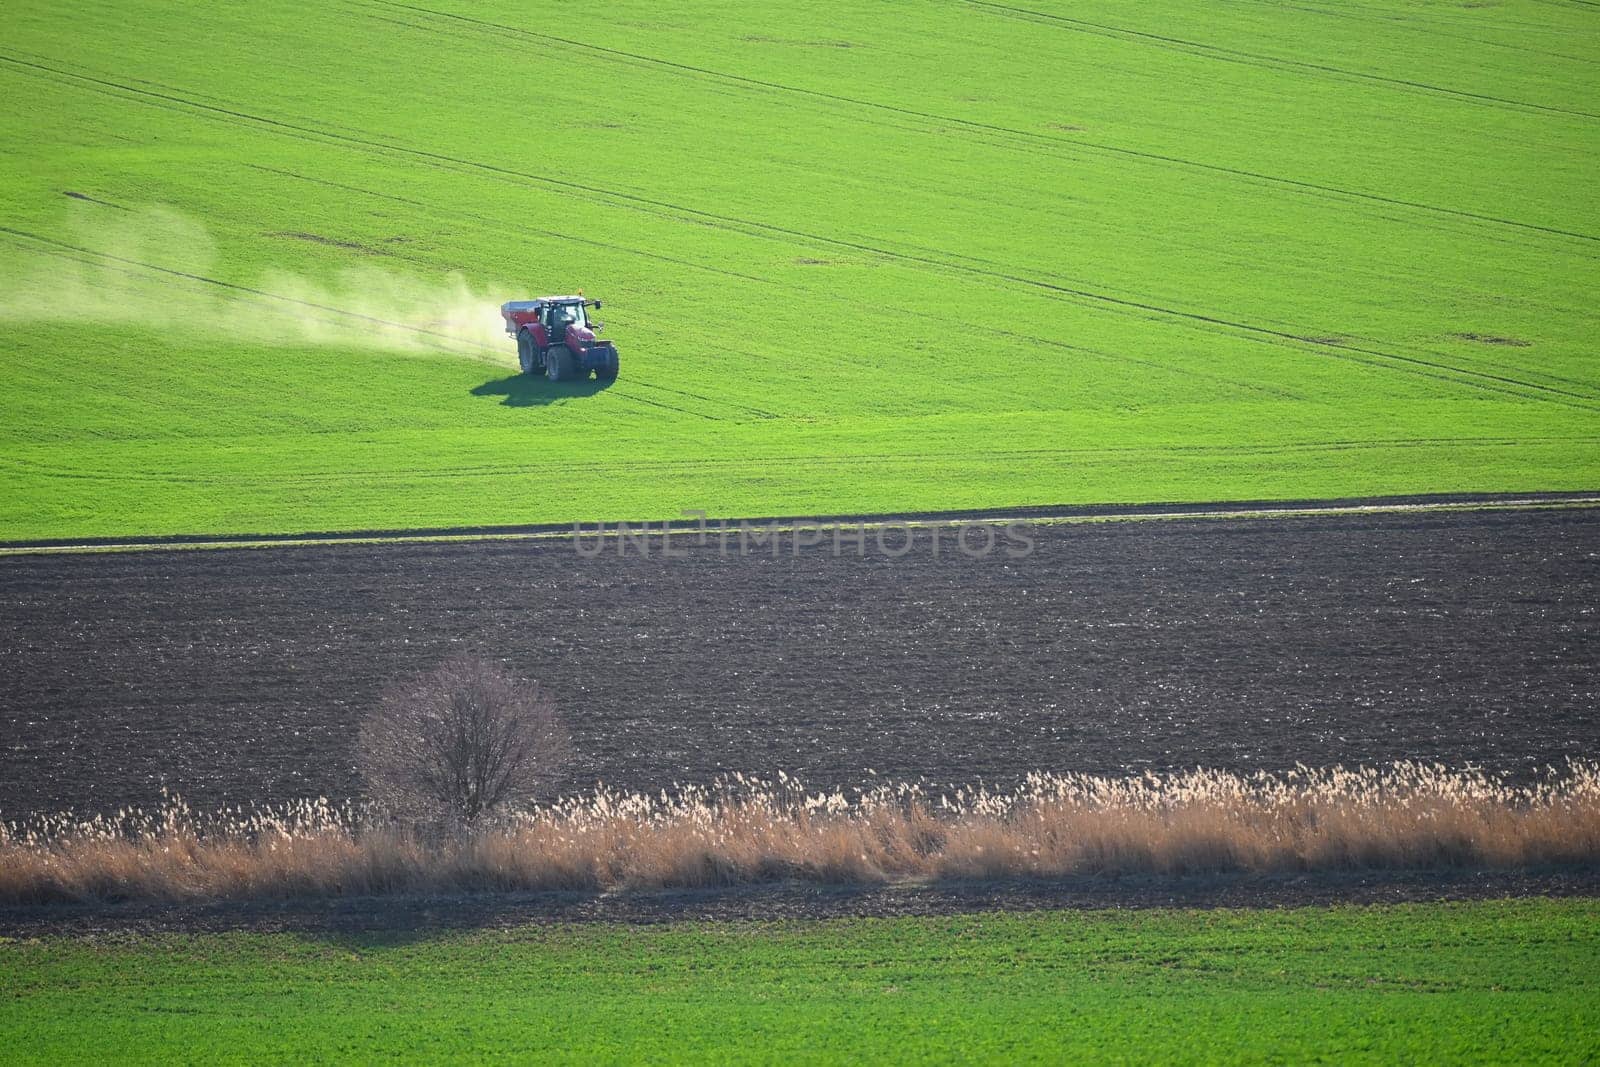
[460, 741]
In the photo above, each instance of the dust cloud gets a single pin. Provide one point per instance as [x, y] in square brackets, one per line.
[159, 268]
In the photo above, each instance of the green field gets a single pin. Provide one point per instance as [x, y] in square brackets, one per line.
[856, 257]
[1503, 981]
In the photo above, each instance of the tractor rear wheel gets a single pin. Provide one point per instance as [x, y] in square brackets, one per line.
[527, 357]
[558, 363]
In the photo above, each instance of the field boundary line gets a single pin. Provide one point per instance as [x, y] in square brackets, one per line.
[1063, 515]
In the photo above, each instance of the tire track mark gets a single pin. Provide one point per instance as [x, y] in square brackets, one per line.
[489, 225]
[1310, 337]
[484, 223]
[1009, 131]
[1390, 21]
[1256, 59]
[263, 295]
[1367, 356]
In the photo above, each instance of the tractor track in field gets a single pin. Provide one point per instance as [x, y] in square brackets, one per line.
[475, 350]
[1256, 59]
[1300, 341]
[86, 256]
[1432, 31]
[456, 345]
[1030, 135]
[179, 100]
[488, 225]
[1229, 635]
[461, 346]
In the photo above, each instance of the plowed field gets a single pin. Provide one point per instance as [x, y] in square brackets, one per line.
[239, 675]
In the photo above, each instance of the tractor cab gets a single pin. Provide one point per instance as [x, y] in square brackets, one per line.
[557, 317]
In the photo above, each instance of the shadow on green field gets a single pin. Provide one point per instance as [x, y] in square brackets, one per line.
[530, 390]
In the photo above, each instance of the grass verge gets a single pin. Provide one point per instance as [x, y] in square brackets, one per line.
[1498, 980]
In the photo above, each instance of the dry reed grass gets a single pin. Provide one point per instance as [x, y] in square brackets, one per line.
[743, 830]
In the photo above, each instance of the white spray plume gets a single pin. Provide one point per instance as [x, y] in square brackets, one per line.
[157, 267]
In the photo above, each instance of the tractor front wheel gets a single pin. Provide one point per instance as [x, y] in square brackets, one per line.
[527, 357]
[558, 366]
[608, 371]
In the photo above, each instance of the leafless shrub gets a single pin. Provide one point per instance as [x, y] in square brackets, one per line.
[459, 742]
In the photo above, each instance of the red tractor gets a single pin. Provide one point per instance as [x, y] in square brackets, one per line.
[555, 338]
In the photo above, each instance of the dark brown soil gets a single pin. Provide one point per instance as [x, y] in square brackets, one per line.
[239, 675]
[356, 915]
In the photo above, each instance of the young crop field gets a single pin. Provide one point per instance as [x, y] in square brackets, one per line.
[1507, 981]
[878, 257]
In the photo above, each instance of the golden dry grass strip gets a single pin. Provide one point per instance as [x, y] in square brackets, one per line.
[742, 830]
